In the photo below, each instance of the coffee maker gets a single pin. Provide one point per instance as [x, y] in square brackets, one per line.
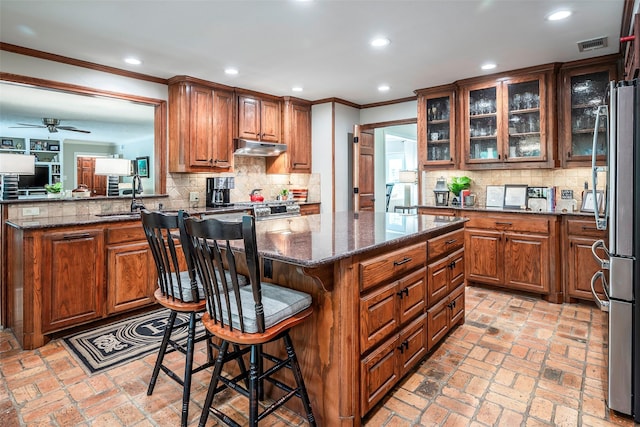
[218, 190]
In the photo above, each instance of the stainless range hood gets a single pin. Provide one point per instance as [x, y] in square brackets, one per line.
[246, 147]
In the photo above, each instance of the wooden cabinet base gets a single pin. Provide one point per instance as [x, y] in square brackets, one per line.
[69, 276]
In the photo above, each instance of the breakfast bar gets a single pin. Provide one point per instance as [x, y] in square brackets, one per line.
[386, 287]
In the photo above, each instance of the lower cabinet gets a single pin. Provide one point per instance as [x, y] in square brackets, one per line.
[579, 235]
[515, 252]
[131, 277]
[71, 274]
[409, 300]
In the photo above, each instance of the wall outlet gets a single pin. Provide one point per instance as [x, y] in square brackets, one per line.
[30, 211]
[194, 196]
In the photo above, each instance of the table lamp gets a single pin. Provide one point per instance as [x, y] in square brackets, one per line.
[115, 168]
[12, 165]
[112, 168]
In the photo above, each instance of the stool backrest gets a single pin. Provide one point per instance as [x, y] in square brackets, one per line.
[169, 246]
[216, 264]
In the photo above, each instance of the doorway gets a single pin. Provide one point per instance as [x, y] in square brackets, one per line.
[86, 175]
[391, 166]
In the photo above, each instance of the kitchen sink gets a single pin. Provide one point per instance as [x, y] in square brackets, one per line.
[120, 215]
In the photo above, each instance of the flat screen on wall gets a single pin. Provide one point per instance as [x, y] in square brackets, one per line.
[38, 180]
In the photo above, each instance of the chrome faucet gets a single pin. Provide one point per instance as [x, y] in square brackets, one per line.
[135, 204]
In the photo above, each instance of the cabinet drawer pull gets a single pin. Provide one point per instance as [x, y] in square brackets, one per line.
[404, 291]
[585, 228]
[503, 223]
[76, 236]
[449, 242]
[402, 261]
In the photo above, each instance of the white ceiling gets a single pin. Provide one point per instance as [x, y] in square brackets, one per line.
[321, 45]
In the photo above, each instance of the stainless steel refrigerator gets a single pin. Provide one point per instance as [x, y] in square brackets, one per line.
[621, 116]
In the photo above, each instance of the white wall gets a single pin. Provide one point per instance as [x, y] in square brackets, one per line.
[33, 67]
[387, 113]
[345, 119]
[322, 151]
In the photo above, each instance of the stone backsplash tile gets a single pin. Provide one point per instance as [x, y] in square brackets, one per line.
[562, 179]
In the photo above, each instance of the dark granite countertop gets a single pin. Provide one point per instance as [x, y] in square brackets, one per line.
[308, 240]
[480, 208]
[315, 240]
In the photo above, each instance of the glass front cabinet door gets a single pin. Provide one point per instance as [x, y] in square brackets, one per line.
[583, 91]
[506, 122]
[436, 127]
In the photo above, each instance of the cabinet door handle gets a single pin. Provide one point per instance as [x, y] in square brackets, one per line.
[448, 242]
[76, 236]
[402, 261]
[503, 223]
[401, 348]
[500, 155]
[568, 153]
[452, 265]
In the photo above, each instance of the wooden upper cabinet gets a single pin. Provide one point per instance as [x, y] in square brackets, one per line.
[583, 87]
[200, 126]
[508, 120]
[259, 119]
[297, 136]
[437, 145]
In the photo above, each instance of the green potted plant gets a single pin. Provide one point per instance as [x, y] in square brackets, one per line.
[53, 190]
[457, 184]
[284, 194]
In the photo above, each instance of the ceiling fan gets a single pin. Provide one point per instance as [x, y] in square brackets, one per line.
[52, 124]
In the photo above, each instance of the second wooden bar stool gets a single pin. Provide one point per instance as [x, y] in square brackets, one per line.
[249, 316]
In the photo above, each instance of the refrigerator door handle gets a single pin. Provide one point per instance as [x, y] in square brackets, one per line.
[601, 222]
[602, 305]
[604, 263]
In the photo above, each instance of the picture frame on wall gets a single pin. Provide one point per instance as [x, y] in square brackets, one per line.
[587, 201]
[142, 166]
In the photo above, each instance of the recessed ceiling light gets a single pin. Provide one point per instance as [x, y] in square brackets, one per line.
[559, 15]
[380, 42]
[231, 71]
[132, 61]
[297, 89]
[383, 88]
[488, 66]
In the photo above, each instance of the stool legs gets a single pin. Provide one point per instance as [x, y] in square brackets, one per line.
[256, 377]
[295, 367]
[163, 349]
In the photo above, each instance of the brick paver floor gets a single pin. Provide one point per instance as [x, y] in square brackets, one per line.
[517, 361]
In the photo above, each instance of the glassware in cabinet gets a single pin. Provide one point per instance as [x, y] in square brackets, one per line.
[482, 124]
[439, 129]
[524, 119]
[587, 94]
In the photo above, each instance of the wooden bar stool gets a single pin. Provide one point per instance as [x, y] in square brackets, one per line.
[180, 292]
[248, 316]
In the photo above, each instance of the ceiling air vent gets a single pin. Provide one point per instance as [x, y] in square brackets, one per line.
[593, 44]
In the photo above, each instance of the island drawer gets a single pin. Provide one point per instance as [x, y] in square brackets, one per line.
[125, 233]
[446, 243]
[378, 270]
[528, 225]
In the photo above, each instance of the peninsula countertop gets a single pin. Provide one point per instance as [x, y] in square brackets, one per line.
[308, 240]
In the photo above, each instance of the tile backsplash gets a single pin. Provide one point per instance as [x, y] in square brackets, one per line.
[563, 179]
[250, 173]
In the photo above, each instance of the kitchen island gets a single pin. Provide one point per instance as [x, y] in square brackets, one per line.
[386, 288]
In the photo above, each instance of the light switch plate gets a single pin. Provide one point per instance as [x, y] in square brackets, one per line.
[566, 194]
[193, 196]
